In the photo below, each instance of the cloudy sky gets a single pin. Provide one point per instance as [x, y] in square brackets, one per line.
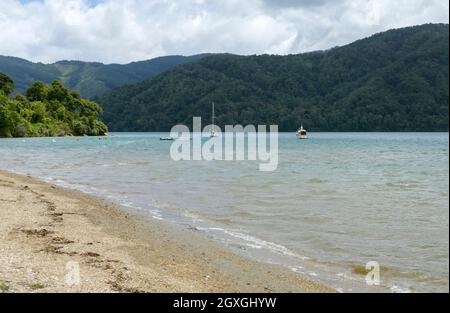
[121, 31]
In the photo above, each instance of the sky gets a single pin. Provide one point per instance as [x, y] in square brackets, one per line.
[122, 31]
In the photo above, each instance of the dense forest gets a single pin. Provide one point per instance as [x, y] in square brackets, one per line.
[47, 111]
[393, 81]
[88, 78]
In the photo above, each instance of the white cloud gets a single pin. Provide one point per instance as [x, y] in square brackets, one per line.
[128, 30]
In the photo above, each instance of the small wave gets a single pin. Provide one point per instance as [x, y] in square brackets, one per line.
[156, 214]
[345, 276]
[211, 228]
[298, 269]
[398, 289]
[403, 184]
[254, 246]
[265, 244]
[128, 204]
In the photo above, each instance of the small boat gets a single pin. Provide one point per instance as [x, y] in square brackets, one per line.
[175, 138]
[301, 133]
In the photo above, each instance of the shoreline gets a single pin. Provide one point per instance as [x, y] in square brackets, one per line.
[48, 231]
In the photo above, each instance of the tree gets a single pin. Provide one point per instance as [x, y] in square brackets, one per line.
[38, 91]
[59, 92]
[5, 122]
[6, 84]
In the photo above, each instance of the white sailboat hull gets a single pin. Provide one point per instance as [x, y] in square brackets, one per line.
[301, 133]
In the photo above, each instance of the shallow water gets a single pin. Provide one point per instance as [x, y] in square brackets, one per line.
[336, 201]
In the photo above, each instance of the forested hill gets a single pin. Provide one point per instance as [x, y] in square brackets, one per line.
[89, 79]
[392, 81]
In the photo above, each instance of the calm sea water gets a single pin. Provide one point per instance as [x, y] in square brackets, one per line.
[336, 202]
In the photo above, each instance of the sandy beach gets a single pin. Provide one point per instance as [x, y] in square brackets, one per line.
[58, 240]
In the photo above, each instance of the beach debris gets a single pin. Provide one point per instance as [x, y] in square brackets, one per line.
[7, 200]
[34, 232]
[63, 241]
[91, 254]
[4, 287]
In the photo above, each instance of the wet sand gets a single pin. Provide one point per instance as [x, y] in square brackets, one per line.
[50, 234]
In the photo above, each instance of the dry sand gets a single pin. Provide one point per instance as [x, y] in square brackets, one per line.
[47, 233]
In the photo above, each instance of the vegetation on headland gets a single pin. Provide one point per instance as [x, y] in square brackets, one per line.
[393, 81]
[47, 111]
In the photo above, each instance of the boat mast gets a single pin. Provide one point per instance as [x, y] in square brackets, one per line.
[212, 120]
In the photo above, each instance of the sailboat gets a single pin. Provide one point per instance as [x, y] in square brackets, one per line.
[301, 133]
[213, 133]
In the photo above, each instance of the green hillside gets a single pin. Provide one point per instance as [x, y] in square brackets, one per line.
[47, 111]
[89, 79]
[392, 81]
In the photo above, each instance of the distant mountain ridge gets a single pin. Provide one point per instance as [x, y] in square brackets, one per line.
[91, 79]
[392, 81]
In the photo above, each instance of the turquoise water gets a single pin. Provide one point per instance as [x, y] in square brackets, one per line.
[336, 201]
